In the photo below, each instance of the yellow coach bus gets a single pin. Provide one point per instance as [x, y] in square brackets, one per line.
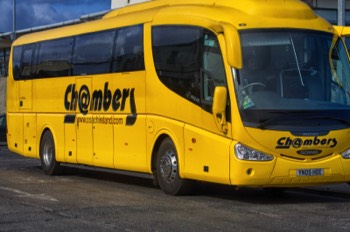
[243, 93]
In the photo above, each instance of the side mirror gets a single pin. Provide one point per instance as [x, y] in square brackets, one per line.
[233, 45]
[219, 107]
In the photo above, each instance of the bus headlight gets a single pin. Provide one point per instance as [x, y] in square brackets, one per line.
[346, 154]
[244, 153]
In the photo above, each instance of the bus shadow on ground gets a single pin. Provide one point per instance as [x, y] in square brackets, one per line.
[226, 192]
[273, 195]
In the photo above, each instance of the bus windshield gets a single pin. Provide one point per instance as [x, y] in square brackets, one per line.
[293, 78]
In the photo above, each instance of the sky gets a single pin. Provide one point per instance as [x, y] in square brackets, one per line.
[33, 13]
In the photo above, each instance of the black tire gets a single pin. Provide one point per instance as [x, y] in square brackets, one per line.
[48, 155]
[167, 171]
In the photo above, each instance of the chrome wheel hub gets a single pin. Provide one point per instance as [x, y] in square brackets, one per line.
[168, 166]
[47, 153]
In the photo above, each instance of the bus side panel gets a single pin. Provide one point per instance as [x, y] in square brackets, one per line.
[84, 128]
[206, 156]
[70, 139]
[15, 132]
[101, 108]
[129, 126]
[103, 141]
[84, 140]
[48, 97]
[49, 94]
[130, 144]
[30, 138]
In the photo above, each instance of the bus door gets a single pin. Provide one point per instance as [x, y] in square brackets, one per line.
[214, 140]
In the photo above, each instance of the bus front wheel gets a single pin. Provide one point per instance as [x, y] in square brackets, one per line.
[168, 170]
[48, 155]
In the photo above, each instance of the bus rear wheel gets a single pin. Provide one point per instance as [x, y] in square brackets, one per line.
[48, 155]
[168, 170]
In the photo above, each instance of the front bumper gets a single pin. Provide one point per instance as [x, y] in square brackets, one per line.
[282, 172]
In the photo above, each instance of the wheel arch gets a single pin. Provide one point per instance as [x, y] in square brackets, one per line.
[155, 148]
[55, 135]
[47, 153]
[168, 156]
[42, 132]
[159, 138]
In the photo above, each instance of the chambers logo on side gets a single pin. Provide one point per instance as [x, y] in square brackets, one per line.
[99, 99]
[287, 142]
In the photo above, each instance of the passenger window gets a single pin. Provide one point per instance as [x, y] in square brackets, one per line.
[54, 58]
[177, 52]
[93, 53]
[188, 61]
[128, 53]
[27, 55]
[17, 53]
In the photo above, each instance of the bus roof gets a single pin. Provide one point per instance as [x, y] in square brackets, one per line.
[247, 14]
[267, 8]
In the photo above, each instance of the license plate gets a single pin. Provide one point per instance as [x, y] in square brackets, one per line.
[310, 172]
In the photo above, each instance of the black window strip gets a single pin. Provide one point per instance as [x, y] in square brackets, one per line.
[65, 67]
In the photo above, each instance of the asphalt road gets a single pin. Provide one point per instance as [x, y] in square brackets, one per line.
[93, 201]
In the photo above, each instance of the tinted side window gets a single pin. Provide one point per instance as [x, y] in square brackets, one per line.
[177, 53]
[54, 58]
[188, 61]
[213, 71]
[128, 53]
[26, 61]
[93, 53]
[347, 43]
[16, 62]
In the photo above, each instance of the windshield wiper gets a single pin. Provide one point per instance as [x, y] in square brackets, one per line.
[264, 123]
[296, 60]
[344, 121]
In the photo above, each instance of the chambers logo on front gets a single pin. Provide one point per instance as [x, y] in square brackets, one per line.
[287, 142]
